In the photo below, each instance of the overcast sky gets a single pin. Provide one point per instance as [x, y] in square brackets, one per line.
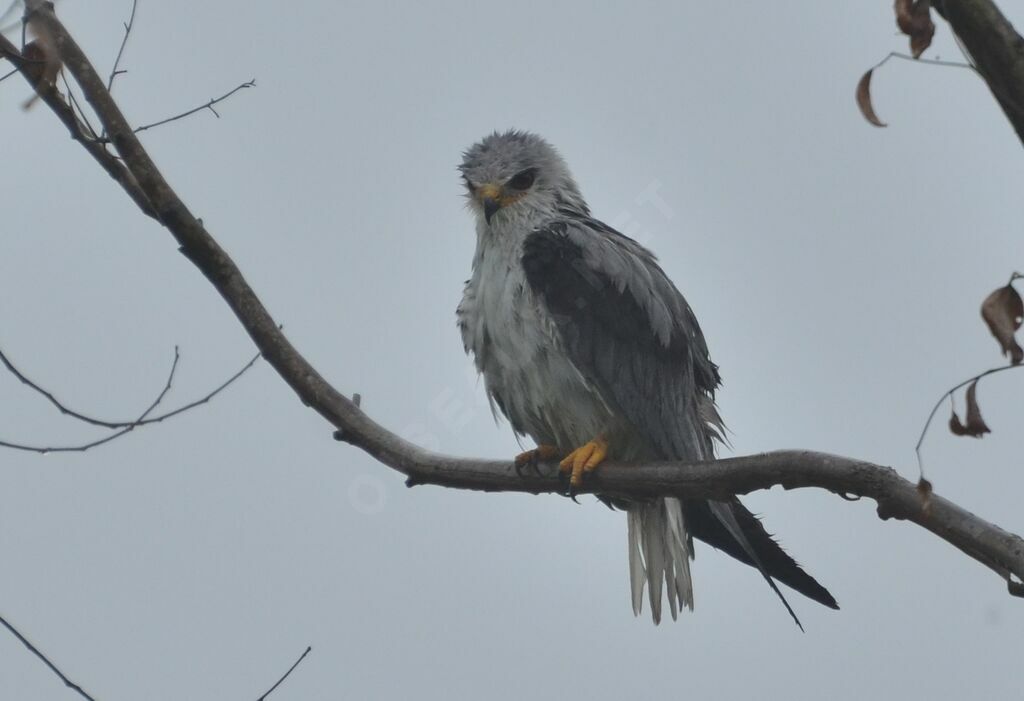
[836, 269]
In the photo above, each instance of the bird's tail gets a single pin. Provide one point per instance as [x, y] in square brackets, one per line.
[729, 526]
[660, 551]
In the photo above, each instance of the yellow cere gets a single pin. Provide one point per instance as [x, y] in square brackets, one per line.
[497, 193]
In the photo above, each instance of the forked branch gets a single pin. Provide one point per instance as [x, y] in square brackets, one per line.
[121, 427]
[85, 695]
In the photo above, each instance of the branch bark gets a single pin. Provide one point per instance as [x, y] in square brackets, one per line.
[897, 498]
[996, 49]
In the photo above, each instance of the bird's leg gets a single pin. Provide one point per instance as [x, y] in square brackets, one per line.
[584, 459]
[532, 457]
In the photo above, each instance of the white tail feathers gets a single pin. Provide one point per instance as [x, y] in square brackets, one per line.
[659, 553]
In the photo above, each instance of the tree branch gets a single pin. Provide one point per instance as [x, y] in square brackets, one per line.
[84, 418]
[113, 436]
[205, 106]
[116, 71]
[996, 50]
[896, 497]
[53, 668]
[74, 125]
[291, 669]
[81, 692]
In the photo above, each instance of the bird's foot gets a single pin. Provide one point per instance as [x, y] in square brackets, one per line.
[584, 459]
[531, 457]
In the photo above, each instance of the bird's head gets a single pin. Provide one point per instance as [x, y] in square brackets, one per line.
[516, 171]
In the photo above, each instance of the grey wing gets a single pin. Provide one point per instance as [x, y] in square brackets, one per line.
[628, 330]
[633, 336]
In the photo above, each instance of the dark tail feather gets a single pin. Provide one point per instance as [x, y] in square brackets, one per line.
[764, 553]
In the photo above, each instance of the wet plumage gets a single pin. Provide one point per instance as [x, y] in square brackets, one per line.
[580, 336]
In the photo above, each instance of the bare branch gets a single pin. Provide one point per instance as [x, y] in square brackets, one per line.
[290, 669]
[53, 668]
[114, 72]
[77, 108]
[127, 429]
[207, 106]
[122, 424]
[81, 692]
[202, 400]
[74, 125]
[994, 47]
[929, 61]
[896, 497]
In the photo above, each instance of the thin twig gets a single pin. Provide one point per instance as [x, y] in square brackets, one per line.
[202, 400]
[8, 75]
[77, 108]
[301, 657]
[130, 427]
[120, 424]
[53, 668]
[67, 115]
[208, 106]
[929, 61]
[120, 52]
[949, 394]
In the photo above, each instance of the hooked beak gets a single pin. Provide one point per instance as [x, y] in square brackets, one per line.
[490, 207]
[491, 199]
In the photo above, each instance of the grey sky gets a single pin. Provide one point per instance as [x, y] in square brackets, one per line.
[836, 270]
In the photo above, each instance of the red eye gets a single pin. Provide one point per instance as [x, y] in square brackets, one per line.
[523, 180]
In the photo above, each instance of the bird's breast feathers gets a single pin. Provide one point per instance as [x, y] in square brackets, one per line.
[517, 348]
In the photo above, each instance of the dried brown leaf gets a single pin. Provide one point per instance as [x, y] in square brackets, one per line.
[975, 424]
[864, 99]
[904, 10]
[957, 428]
[915, 20]
[1003, 311]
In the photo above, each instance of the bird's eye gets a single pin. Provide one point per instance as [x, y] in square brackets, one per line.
[469, 185]
[523, 180]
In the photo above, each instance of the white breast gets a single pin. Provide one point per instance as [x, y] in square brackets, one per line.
[517, 349]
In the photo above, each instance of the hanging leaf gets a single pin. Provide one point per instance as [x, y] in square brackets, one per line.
[957, 428]
[915, 20]
[975, 424]
[864, 99]
[1003, 311]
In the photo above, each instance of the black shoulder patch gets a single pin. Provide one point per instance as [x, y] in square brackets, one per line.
[556, 270]
[546, 252]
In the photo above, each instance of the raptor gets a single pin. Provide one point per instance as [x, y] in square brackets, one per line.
[588, 348]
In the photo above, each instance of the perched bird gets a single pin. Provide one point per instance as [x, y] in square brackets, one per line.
[588, 348]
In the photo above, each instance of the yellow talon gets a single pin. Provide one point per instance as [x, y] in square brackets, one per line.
[584, 459]
[541, 452]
